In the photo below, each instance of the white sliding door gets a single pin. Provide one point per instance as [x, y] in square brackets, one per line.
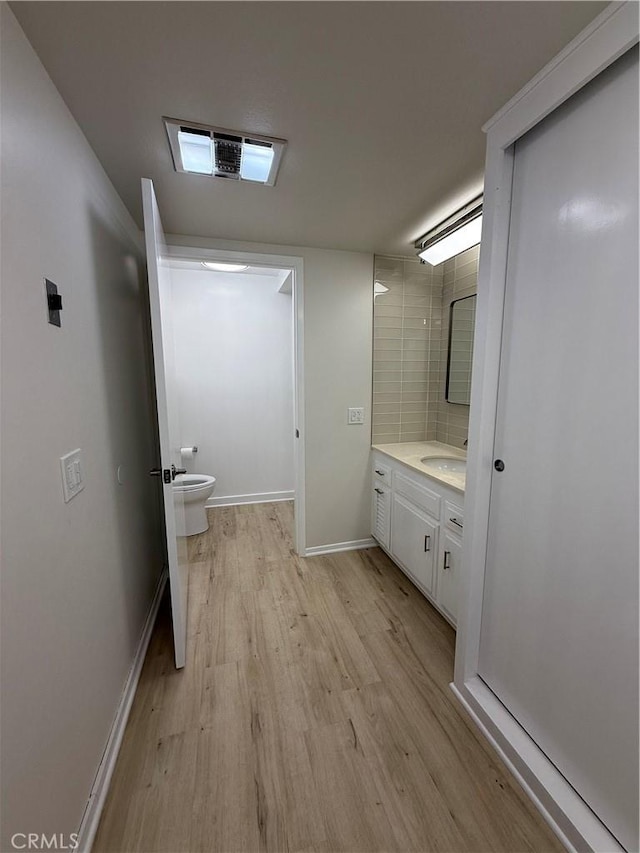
[559, 635]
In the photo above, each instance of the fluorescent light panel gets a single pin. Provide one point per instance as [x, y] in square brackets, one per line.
[256, 162]
[196, 152]
[193, 149]
[457, 241]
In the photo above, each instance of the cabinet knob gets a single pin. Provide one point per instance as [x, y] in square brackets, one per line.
[498, 465]
[381, 473]
[379, 491]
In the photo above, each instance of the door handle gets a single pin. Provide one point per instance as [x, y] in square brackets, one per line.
[427, 542]
[165, 473]
[175, 471]
[155, 472]
[446, 563]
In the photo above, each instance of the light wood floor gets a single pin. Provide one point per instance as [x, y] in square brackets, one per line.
[314, 714]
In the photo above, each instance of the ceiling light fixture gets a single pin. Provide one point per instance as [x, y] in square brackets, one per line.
[222, 266]
[200, 149]
[456, 234]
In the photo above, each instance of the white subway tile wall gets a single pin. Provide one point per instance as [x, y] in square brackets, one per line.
[410, 335]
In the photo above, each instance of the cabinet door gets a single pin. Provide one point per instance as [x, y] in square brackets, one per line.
[381, 514]
[449, 575]
[414, 541]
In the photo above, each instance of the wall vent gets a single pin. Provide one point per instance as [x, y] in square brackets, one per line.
[215, 152]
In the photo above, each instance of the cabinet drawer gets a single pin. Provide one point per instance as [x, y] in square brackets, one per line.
[381, 471]
[453, 517]
[422, 497]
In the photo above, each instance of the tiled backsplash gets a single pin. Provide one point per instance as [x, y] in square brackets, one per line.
[410, 335]
[406, 350]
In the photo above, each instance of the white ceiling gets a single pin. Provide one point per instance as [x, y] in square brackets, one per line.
[381, 102]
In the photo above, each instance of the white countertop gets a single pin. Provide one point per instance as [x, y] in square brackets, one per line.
[411, 452]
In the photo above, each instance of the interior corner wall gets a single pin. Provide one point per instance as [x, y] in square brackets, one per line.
[338, 328]
[78, 578]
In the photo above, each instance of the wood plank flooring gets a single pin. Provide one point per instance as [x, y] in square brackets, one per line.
[314, 714]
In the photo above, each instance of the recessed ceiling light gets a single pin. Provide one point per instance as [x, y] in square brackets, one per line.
[256, 162]
[199, 149]
[196, 152]
[221, 266]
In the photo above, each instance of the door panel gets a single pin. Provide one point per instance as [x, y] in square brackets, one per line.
[449, 575]
[414, 541]
[168, 414]
[559, 640]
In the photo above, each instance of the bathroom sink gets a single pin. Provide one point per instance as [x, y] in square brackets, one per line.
[445, 464]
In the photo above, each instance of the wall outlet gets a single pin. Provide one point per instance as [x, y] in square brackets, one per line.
[355, 415]
[72, 477]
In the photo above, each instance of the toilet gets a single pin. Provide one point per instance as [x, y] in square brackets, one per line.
[195, 490]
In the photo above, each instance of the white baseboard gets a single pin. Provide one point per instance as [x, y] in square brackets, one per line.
[100, 787]
[354, 545]
[562, 808]
[259, 498]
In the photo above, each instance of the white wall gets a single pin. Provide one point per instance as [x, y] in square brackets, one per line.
[233, 336]
[77, 578]
[338, 316]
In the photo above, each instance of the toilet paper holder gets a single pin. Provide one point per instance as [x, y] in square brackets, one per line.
[188, 450]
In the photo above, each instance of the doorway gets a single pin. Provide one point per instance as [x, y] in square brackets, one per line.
[181, 287]
[247, 308]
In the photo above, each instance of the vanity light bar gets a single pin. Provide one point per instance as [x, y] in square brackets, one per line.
[215, 152]
[455, 234]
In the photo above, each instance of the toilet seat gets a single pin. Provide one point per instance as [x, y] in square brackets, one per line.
[193, 482]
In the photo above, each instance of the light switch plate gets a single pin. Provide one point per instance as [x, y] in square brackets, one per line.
[355, 415]
[72, 474]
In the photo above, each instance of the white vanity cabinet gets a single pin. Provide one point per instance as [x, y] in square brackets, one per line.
[418, 521]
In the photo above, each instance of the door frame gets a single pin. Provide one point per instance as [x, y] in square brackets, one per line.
[607, 38]
[296, 265]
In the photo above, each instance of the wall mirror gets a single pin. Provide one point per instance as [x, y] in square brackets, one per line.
[462, 320]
